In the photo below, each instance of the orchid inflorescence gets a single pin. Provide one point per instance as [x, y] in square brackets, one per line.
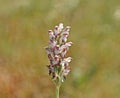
[56, 51]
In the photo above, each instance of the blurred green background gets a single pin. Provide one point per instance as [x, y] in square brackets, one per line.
[95, 32]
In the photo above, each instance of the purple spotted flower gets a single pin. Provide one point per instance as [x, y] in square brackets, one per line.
[56, 51]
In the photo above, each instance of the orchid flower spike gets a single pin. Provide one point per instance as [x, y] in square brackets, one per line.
[56, 51]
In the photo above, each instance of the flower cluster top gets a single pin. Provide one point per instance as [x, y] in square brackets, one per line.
[56, 51]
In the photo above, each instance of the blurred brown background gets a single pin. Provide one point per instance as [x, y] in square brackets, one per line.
[95, 32]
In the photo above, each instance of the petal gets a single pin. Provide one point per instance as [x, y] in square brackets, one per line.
[56, 60]
[51, 35]
[66, 71]
[47, 50]
[63, 54]
[63, 39]
[56, 50]
[68, 59]
[66, 31]
[69, 44]
[52, 43]
[60, 27]
[56, 30]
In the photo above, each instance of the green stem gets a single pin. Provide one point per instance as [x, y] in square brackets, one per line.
[57, 91]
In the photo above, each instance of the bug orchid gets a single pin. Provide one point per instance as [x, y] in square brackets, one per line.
[56, 51]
